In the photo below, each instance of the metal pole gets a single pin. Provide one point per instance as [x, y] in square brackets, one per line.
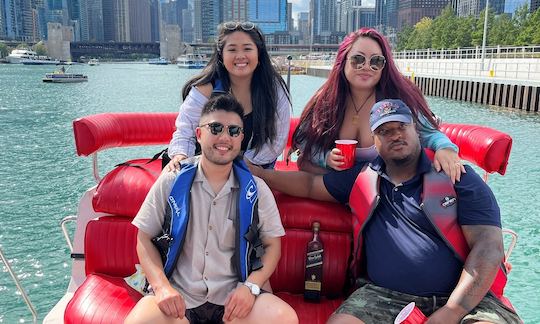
[289, 58]
[19, 287]
[485, 33]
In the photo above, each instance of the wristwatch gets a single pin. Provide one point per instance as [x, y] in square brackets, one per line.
[255, 290]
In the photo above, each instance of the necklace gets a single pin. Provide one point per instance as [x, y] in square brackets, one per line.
[356, 118]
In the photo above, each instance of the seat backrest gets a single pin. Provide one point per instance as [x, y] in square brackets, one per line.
[298, 215]
[110, 246]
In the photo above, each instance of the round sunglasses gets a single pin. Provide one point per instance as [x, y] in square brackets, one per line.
[217, 128]
[376, 62]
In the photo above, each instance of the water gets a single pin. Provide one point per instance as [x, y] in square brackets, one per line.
[42, 179]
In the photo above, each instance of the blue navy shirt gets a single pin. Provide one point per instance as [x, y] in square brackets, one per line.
[403, 251]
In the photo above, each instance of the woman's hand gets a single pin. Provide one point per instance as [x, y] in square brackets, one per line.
[335, 159]
[448, 160]
[174, 164]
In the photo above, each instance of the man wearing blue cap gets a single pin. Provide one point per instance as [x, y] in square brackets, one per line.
[415, 242]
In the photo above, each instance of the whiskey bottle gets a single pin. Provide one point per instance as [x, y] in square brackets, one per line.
[314, 266]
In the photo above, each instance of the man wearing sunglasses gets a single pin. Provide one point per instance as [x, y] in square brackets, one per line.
[199, 268]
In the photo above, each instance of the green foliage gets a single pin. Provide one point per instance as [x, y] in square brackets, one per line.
[40, 49]
[421, 35]
[403, 36]
[4, 50]
[22, 46]
[449, 31]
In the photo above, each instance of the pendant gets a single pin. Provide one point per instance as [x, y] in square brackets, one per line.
[355, 119]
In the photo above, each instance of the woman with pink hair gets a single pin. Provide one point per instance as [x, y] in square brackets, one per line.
[364, 73]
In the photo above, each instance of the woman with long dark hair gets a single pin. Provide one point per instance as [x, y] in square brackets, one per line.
[364, 73]
[241, 66]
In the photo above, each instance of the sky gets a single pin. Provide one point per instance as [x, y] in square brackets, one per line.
[303, 5]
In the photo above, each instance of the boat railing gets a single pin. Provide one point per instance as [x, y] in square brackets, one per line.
[63, 225]
[513, 242]
[19, 286]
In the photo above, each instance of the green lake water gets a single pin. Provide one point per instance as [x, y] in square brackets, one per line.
[42, 179]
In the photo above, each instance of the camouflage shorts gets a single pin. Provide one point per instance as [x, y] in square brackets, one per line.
[373, 304]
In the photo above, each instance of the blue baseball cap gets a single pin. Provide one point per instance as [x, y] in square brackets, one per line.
[389, 110]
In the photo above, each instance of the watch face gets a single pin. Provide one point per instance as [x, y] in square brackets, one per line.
[255, 290]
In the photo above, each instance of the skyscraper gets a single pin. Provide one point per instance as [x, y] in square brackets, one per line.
[17, 19]
[324, 16]
[91, 20]
[535, 4]
[411, 11]
[2, 20]
[207, 16]
[235, 10]
[466, 8]
[386, 13]
[303, 26]
[139, 21]
[269, 15]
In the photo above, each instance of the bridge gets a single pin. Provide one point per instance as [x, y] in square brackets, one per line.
[122, 50]
[125, 49]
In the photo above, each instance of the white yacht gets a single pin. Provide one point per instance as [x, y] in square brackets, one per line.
[191, 61]
[93, 62]
[18, 55]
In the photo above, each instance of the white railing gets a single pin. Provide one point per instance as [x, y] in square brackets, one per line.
[524, 69]
[493, 52]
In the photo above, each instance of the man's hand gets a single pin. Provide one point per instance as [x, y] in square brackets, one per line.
[170, 302]
[447, 315]
[238, 303]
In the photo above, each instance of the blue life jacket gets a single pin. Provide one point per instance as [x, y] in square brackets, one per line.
[248, 245]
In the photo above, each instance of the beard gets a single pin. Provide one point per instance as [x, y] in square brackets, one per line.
[214, 156]
[407, 158]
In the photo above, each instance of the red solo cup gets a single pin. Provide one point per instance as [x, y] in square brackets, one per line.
[348, 150]
[410, 314]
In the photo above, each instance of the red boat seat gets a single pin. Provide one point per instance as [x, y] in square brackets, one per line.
[110, 255]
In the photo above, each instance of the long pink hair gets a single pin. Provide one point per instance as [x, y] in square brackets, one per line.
[323, 115]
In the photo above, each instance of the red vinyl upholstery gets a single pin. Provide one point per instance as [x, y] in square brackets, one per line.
[486, 147]
[98, 132]
[110, 241]
[110, 255]
[122, 191]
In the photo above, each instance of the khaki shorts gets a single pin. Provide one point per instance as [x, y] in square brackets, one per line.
[373, 304]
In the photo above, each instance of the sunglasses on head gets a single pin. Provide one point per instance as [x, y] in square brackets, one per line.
[217, 128]
[234, 25]
[376, 62]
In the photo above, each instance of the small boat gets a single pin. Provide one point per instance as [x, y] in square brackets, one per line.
[191, 61]
[159, 61]
[101, 291]
[60, 76]
[93, 62]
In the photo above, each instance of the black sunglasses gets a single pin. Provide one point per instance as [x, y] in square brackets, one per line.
[376, 62]
[217, 128]
[234, 25]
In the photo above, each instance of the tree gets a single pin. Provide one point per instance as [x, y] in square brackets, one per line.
[22, 46]
[443, 29]
[503, 31]
[421, 36]
[403, 37]
[463, 32]
[40, 49]
[4, 50]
